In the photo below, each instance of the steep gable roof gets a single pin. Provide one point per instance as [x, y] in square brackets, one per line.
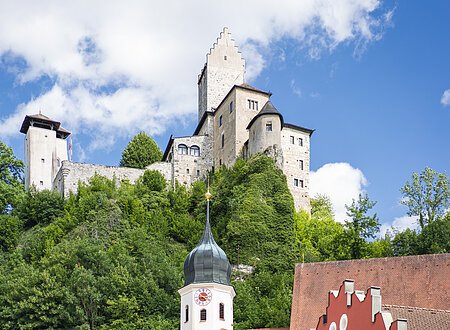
[420, 281]
[268, 109]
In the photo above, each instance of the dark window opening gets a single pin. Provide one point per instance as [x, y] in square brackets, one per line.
[269, 126]
[295, 182]
[292, 139]
[220, 120]
[300, 142]
[186, 314]
[223, 140]
[300, 164]
[252, 104]
[231, 106]
[222, 311]
[203, 315]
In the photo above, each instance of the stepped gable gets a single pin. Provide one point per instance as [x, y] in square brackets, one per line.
[268, 109]
[419, 281]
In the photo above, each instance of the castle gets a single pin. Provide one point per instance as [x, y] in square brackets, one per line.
[234, 120]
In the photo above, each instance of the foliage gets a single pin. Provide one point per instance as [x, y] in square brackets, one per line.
[111, 257]
[140, 152]
[361, 226]
[427, 196]
[11, 179]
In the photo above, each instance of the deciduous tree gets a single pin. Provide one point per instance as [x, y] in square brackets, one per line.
[141, 152]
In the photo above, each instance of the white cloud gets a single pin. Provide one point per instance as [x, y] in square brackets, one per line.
[400, 224]
[339, 181]
[445, 99]
[297, 91]
[127, 67]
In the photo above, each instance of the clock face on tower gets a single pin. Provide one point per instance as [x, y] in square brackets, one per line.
[202, 297]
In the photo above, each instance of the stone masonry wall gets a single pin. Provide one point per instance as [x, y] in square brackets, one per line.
[293, 155]
[70, 174]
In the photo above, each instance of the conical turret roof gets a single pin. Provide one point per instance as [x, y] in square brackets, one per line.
[268, 109]
[207, 262]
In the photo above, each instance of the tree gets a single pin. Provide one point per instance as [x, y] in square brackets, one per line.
[11, 178]
[361, 226]
[427, 196]
[140, 152]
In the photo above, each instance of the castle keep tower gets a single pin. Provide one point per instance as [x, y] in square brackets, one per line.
[45, 149]
[223, 69]
[207, 296]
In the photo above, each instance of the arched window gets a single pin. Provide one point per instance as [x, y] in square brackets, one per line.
[222, 311]
[203, 315]
[195, 151]
[182, 149]
[186, 315]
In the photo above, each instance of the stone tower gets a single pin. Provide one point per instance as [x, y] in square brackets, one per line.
[223, 69]
[45, 149]
[207, 296]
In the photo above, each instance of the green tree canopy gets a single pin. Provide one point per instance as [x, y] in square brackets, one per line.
[141, 152]
[11, 178]
[427, 196]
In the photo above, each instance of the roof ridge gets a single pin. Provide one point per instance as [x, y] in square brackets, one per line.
[417, 308]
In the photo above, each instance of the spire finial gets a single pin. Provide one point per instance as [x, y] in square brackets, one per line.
[208, 195]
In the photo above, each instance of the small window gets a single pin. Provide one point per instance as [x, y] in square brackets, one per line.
[41, 183]
[182, 149]
[198, 172]
[300, 182]
[187, 171]
[252, 104]
[42, 160]
[300, 142]
[300, 164]
[225, 57]
[186, 314]
[220, 162]
[220, 120]
[295, 182]
[231, 106]
[292, 139]
[269, 126]
[195, 151]
[203, 315]
[223, 140]
[222, 311]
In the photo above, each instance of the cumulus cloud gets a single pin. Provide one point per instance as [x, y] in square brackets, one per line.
[400, 224]
[445, 99]
[339, 181]
[122, 67]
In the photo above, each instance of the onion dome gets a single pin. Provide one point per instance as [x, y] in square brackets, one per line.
[207, 262]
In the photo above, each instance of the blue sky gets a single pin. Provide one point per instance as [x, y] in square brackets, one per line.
[370, 76]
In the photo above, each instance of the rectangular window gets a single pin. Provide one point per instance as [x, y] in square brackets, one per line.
[300, 164]
[220, 120]
[269, 126]
[252, 104]
[42, 160]
[223, 140]
[231, 106]
[222, 311]
[198, 172]
[300, 183]
[203, 315]
[300, 142]
[292, 139]
[220, 162]
[187, 171]
[295, 182]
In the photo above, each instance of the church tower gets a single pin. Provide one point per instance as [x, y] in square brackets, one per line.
[207, 296]
[223, 69]
[45, 149]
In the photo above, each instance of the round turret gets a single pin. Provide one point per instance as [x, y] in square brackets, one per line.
[207, 262]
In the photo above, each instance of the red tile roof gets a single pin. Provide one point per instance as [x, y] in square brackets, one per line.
[421, 318]
[421, 281]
